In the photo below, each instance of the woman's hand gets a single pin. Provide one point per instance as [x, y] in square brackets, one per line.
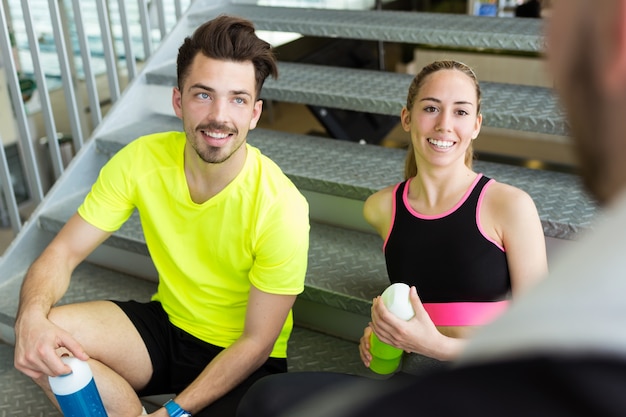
[417, 335]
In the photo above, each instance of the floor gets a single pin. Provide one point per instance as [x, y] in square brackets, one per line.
[19, 396]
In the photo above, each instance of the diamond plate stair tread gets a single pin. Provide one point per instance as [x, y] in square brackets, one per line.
[437, 29]
[354, 171]
[129, 237]
[19, 396]
[308, 351]
[89, 282]
[313, 351]
[506, 106]
[346, 268]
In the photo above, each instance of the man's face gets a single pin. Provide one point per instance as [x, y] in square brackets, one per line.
[218, 107]
[562, 36]
[574, 66]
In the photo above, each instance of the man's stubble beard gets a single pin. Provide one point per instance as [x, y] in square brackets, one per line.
[210, 154]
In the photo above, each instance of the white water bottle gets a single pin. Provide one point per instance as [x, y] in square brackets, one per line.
[386, 358]
[76, 392]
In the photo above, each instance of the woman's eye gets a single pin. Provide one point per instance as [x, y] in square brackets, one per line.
[430, 109]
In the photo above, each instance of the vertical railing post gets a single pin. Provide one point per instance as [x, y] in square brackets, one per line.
[44, 94]
[85, 53]
[109, 52]
[178, 9]
[144, 21]
[68, 75]
[128, 46]
[160, 11]
[25, 140]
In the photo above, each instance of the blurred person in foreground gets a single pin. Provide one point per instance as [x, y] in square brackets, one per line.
[560, 350]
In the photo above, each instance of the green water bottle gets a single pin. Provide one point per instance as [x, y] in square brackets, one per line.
[386, 358]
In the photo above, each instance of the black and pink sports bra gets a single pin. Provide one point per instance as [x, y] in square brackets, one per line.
[461, 275]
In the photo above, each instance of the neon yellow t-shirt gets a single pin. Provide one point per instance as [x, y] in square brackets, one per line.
[254, 232]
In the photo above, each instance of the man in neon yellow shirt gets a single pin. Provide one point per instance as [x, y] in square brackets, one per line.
[226, 229]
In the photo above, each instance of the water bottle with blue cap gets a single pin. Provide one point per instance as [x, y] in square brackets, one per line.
[76, 392]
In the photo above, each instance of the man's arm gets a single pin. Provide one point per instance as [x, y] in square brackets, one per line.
[265, 318]
[36, 338]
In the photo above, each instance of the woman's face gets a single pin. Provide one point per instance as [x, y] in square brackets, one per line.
[444, 120]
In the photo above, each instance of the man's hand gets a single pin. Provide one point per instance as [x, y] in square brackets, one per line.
[39, 345]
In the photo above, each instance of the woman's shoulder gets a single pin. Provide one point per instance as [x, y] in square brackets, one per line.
[505, 191]
[382, 196]
[502, 196]
[387, 191]
[378, 206]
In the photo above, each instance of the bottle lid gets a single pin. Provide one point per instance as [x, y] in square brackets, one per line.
[396, 299]
[74, 381]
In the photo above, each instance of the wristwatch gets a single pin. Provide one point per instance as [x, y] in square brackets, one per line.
[175, 410]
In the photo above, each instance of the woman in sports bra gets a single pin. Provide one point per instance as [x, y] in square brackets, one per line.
[464, 242]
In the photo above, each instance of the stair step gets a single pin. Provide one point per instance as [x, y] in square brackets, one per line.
[349, 170]
[436, 29]
[504, 106]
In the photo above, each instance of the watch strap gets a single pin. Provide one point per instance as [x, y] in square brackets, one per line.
[175, 410]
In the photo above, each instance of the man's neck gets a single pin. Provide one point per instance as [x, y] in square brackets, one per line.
[205, 180]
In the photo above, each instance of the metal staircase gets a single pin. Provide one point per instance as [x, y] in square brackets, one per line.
[346, 264]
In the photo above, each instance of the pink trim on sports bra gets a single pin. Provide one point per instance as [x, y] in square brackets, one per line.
[405, 200]
[478, 208]
[464, 313]
[393, 214]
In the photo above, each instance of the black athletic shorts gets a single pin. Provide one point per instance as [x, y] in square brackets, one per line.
[178, 357]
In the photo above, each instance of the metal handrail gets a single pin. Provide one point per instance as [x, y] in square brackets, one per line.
[81, 125]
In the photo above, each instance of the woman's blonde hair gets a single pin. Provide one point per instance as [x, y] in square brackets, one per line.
[410, 165]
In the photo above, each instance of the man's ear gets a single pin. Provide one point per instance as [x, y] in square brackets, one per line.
[615, 69]
[256, 114]
[177, 102]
